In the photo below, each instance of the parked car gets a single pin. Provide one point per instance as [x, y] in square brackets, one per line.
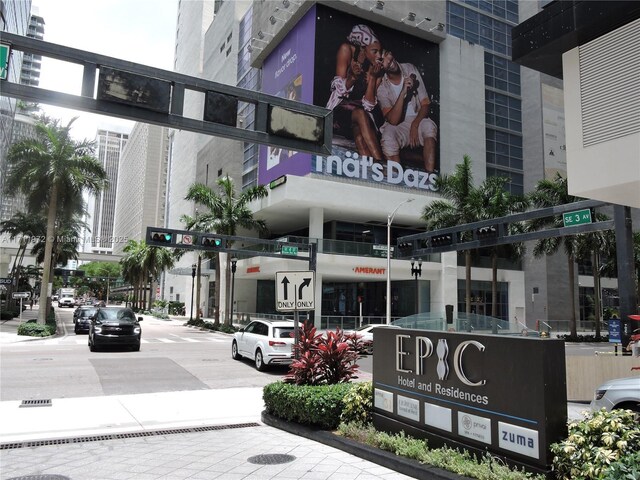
[83, 319]
[619, 393]
[116, 326]
[365, 332]
[76, 312]
[267, 342]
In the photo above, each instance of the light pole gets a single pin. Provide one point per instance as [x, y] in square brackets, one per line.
[234, 261]
[193, 278]
[416, 272]
[389, 221]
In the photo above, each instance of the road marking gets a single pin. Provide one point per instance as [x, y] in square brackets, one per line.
[166, 340]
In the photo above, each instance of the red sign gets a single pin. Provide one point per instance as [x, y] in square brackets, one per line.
[253, 269]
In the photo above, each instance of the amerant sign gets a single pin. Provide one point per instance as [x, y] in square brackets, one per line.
[481, 392]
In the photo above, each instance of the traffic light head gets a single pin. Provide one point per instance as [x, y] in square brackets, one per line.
[442, 240]
[487, 232]
[211, 241]
[162, 237]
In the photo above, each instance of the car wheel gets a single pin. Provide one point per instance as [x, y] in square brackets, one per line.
[633, 406]
[136, 348]
[260, 365]
[234, 351]
[75, 330]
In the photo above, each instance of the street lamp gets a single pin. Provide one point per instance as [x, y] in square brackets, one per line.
[416, 272]
[389, 221]
[234, 261]
[193, 279]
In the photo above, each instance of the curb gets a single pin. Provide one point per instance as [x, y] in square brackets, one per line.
[411, 468]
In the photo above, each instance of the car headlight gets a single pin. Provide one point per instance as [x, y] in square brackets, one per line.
[136, 330]
[600, 394]
[97, 329]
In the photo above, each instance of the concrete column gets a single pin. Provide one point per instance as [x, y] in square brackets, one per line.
[445, 291]
[316, 231]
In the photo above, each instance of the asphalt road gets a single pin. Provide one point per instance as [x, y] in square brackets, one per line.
[173, 357]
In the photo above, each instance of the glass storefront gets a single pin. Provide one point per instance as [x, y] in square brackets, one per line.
[481, 298]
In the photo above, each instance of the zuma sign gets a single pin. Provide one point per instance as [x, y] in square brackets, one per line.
[480, 392]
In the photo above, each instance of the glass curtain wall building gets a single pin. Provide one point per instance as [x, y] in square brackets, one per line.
[488, 23]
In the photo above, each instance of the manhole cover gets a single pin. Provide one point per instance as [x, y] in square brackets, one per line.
[271, 459]
[41, 477]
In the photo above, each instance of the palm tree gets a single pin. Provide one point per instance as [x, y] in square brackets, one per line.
[454, 209]
[226, 212]
[549, 193]
[492, 200]
[132, 267]
[154, 261]
[47, 168]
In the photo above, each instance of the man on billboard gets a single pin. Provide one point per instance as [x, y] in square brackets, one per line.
[405, 105]
[353, 90]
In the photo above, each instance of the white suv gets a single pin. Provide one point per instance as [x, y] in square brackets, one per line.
[266, 342]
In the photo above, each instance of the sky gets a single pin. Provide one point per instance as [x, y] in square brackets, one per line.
[141, 31]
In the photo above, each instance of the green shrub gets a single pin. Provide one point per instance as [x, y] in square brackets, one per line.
[33, 329]
[7, 314]
[358, 404]
[318, 405]
[228, 328]
[456, 461]
[597, 443]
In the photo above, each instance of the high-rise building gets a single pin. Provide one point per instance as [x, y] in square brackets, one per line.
[30, 72]
[14, 18]
[142, 181]
[110, 145]
[508, 119]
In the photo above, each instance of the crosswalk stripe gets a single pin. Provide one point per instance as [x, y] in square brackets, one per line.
[166, 340]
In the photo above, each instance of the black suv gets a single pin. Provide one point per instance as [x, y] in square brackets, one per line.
[116, 326]
[82, 319]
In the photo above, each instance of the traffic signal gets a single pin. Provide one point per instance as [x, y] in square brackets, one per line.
[441, 240]
[211, 241]
[487, 232]
[405, 248]
[161, 237]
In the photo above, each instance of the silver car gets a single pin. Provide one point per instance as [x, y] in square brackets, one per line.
[621, 393]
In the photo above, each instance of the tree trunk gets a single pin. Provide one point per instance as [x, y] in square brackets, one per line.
[48, 250]
[467, 266]
[596, 288]
[216, 319]
[572, 290]
[494, 285]
[198, 287]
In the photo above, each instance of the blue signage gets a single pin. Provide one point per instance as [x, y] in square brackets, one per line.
[615, 330]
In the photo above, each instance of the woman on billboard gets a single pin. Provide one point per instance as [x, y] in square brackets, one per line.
[356, 114]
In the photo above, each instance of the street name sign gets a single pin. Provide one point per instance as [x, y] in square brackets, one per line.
[16, 295]
[295, 291]
[6, 281]
[578, 217]
[287, 250]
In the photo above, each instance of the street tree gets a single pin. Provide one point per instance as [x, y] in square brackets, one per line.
[550, 193]
[48, 169]
[226, 212]
[455, 208]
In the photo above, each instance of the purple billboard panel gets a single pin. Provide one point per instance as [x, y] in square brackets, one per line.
[383, 88]
[288, 72]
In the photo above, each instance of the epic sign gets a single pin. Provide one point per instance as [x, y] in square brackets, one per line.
[505, 394]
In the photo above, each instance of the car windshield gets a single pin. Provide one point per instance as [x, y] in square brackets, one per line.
[117, 315]
[87, 312]
[283, 332]
[363, 327]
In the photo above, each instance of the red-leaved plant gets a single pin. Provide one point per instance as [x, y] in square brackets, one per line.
[324, 360]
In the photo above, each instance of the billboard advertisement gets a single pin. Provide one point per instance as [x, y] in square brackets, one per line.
[383, 88]
[288, 72]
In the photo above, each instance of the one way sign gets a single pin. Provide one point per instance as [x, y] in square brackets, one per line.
[295, 291]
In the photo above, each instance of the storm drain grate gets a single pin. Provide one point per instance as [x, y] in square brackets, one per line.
[41, 477]
[120, 436]
[271, 459]
[36, 403]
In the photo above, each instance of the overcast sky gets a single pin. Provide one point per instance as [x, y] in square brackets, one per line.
[141, 31]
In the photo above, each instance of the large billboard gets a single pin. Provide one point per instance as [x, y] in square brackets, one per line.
[503, 394]
[383, 88]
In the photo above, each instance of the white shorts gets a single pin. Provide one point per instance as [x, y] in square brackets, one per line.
[396, 137]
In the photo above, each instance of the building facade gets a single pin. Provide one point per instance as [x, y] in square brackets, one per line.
[142, 184]
[507, 119]
[102, 207]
